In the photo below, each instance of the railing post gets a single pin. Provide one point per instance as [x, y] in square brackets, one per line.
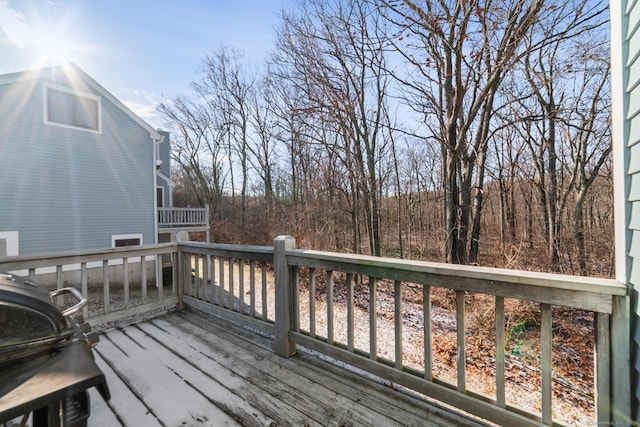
[284, 296]
[180, 265]
[620, 362]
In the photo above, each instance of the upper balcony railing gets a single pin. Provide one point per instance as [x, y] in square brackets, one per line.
[366, 312]
[183, 218]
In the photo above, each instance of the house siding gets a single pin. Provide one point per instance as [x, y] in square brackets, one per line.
[631, 84]
[69, 189]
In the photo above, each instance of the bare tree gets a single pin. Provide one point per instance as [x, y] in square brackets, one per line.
[459, 52]
[225, 83]
[334, 56]
[558, 161]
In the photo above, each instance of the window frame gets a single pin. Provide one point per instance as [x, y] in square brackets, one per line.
[87, 96]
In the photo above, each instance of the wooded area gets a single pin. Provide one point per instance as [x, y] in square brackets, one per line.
[458, 131]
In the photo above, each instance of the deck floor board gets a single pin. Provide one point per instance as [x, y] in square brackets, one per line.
[190, 369]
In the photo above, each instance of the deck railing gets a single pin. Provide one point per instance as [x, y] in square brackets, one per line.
[324, 301]
[119, 283]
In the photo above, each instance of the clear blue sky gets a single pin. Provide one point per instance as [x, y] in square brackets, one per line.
[139, 50]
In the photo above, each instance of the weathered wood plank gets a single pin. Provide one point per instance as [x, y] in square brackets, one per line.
[123, 403]
[312, 396]
[101, 413]
[150, 379]
[216, 383]
[350, 399]
[244, 378]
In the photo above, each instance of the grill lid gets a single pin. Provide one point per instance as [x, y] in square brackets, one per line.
[30, 323]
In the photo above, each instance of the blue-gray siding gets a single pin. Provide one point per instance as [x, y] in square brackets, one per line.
[69, 189]
[631, 50]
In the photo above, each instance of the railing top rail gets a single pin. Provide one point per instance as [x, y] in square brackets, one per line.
[580, 292]
[64, 258]
[258, 253]
[550, 280]
[182, 209]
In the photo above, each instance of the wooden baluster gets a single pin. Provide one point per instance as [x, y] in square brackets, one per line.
[207, 287]
[143, 279]
[105, 285]
[159, 282]
[221, 282]
[350, 314]
[500, 349]
[232, 295]
[214, 291]
[397, 318]
[241, 285]
[295, 299]
[426, 318]
[125, 280]
[330, 307]
[545, 363]
[265, 311]
[252, 288]
[174, 273]
[461, 348]
[84, 283]
[312, 302]
[373, 319]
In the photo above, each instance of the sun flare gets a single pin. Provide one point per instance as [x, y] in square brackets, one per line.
[52, 45]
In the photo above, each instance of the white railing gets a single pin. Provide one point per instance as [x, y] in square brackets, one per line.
[183, 217]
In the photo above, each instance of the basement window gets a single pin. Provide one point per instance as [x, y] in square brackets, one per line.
[69, 108]
[121, 240]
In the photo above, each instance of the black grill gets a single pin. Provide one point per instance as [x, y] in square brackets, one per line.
[46, 361]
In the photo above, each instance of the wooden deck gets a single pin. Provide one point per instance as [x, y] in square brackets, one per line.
[187, 368]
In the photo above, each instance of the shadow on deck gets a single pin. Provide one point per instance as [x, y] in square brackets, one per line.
[189, 368]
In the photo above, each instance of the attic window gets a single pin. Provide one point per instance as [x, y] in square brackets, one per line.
[65, 107]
